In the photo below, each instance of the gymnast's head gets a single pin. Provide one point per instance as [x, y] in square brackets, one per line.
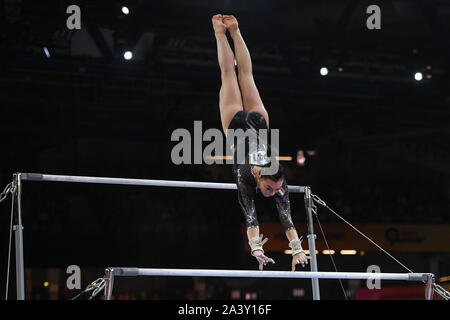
[269, 184]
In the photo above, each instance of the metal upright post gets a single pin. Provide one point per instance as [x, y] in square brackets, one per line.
[311, 243]
[109, 276]
[429, 288]
[18, 232]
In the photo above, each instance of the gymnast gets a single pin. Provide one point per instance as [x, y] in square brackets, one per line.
[241, 107]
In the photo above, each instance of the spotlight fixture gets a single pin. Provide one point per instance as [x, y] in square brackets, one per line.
[128, 55]
[323, 71]
[418, 76]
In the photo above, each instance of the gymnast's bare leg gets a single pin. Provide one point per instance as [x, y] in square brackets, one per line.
[250, 94]
[230, 100]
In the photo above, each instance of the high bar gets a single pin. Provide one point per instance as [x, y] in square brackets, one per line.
[138, 182]
[130, 272]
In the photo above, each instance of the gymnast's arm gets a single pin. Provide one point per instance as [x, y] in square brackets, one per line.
[246, 198]
[284, 211]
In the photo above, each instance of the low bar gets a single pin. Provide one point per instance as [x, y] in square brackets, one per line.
[139, 182]
[132, 272]
[110, 273]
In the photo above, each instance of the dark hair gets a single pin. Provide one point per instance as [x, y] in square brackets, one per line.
[277, 175]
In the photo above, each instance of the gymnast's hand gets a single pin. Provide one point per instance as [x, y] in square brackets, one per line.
[301, 258]
[262, 259]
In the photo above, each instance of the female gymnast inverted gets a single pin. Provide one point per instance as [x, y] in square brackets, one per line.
[241, 107]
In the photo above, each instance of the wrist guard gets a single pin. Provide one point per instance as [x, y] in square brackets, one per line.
[256, 243]
[296, 246]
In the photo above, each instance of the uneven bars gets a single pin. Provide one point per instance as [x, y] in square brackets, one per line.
[139, 182]
[133, 272]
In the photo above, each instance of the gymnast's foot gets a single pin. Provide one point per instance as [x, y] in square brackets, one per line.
[218, 25]
[231, 24]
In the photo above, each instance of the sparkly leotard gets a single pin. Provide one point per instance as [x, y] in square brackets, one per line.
[244, 177]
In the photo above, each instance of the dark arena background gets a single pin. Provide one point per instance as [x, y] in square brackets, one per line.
[363, 117]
